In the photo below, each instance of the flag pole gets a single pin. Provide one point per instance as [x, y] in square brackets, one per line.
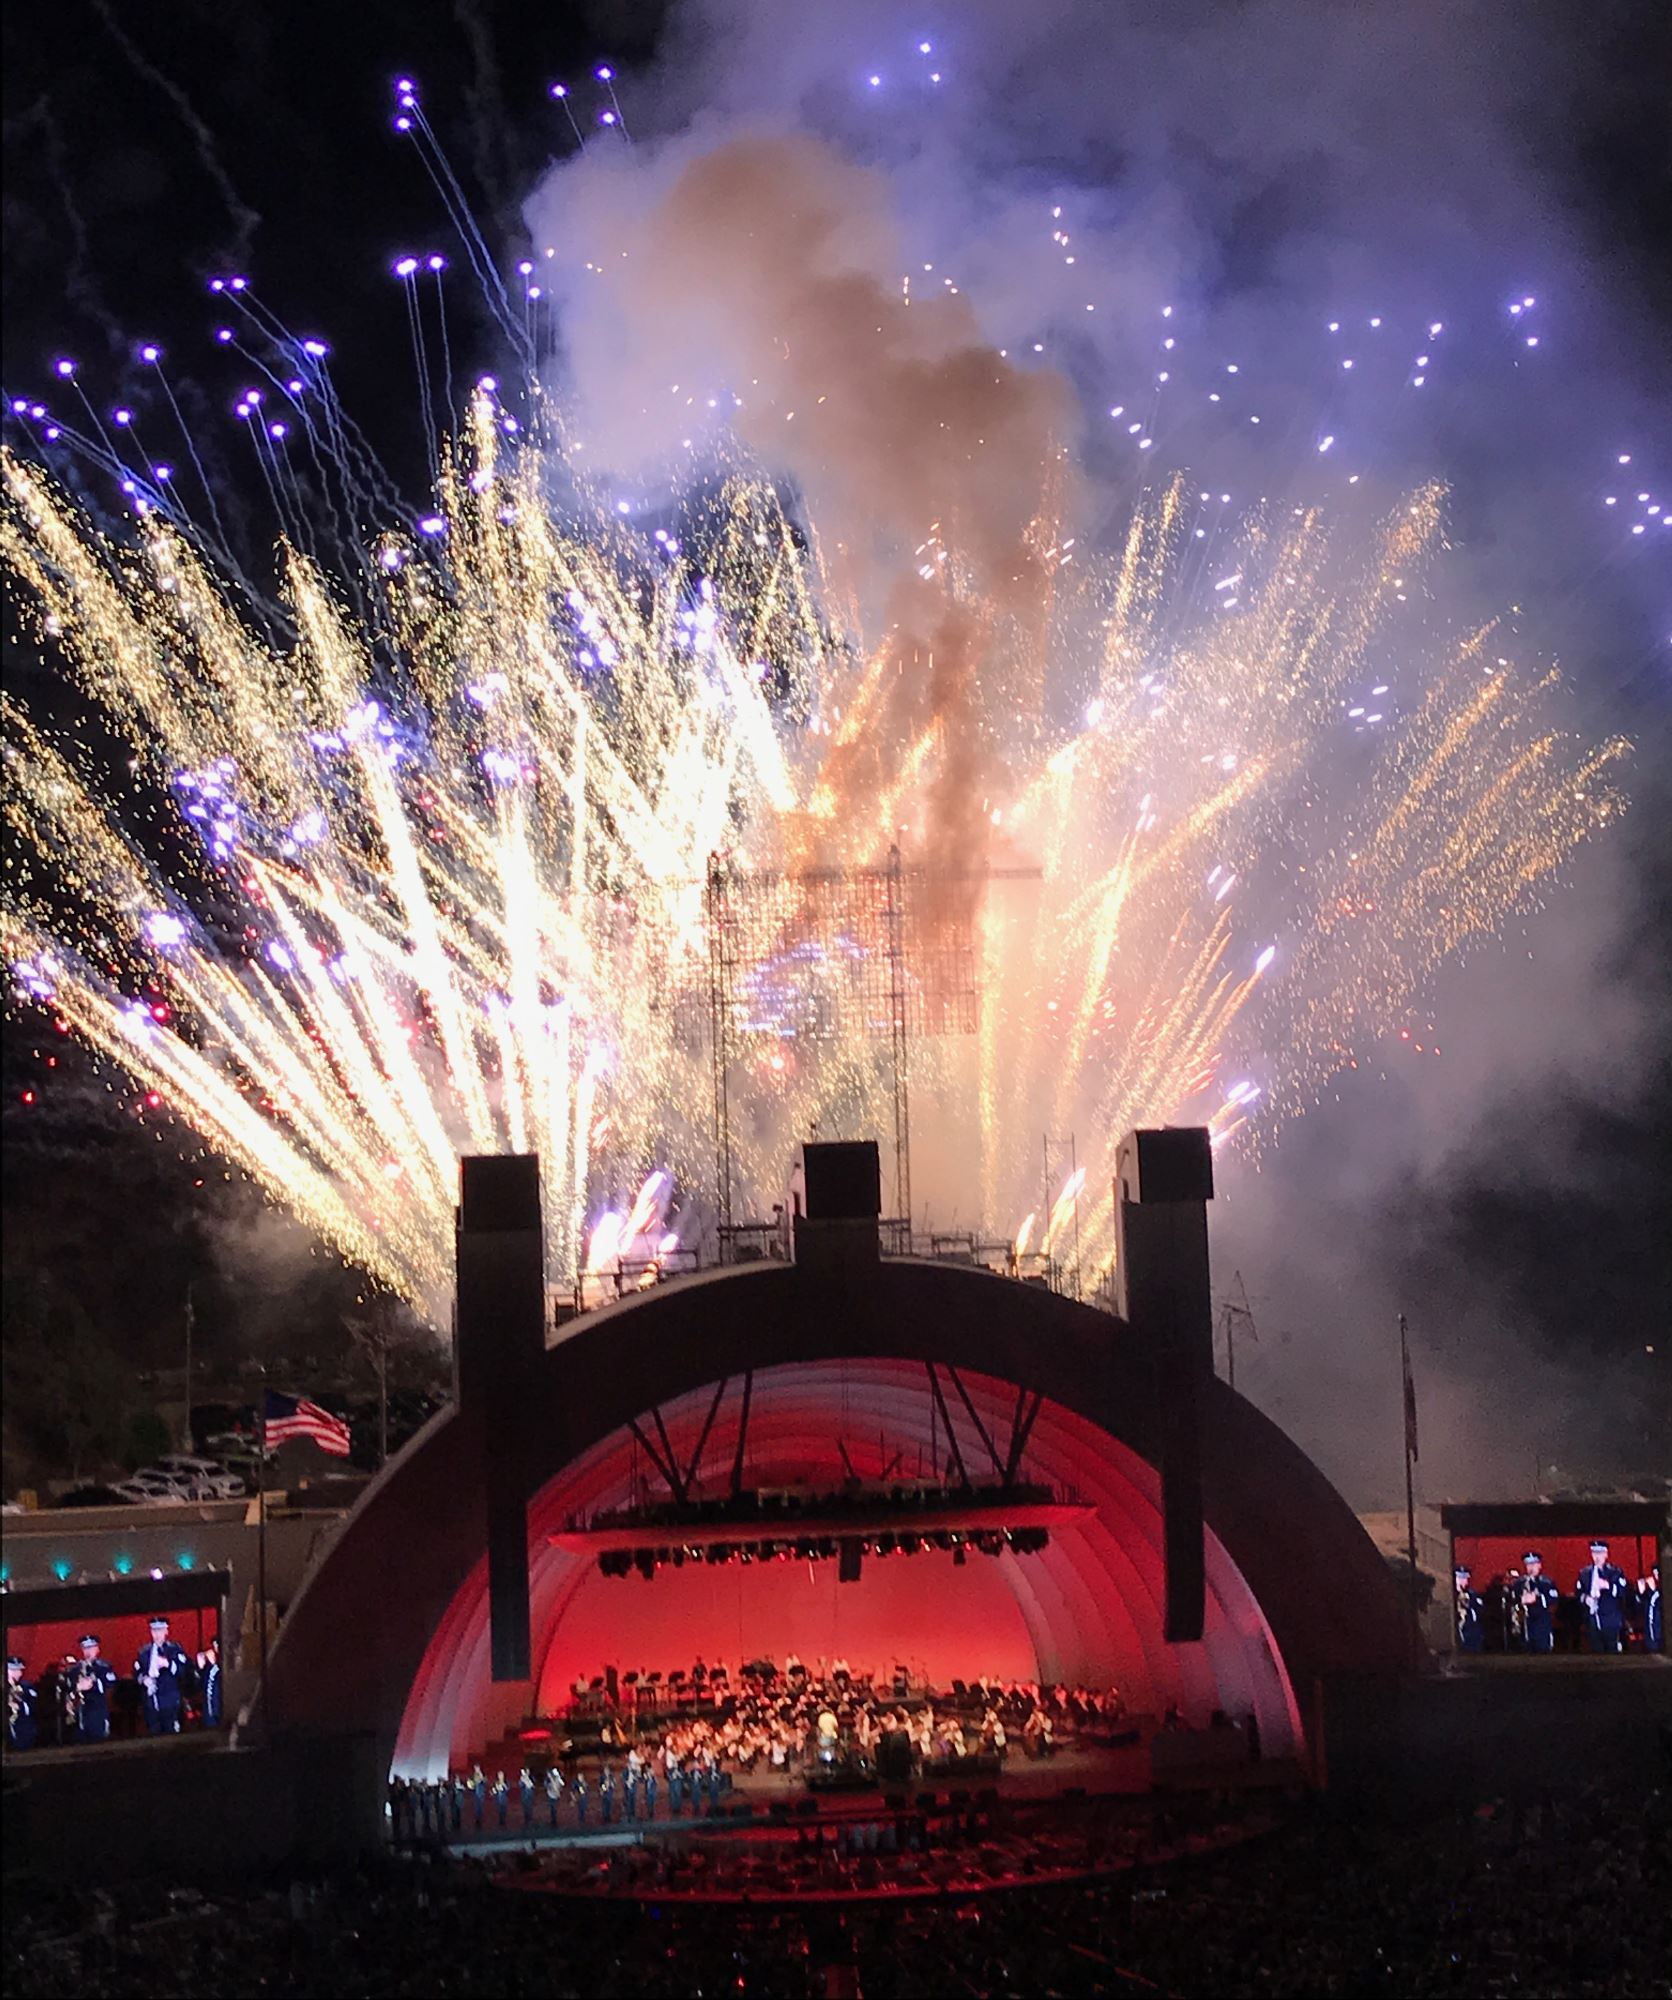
[1409, 1388]
[261, 1559]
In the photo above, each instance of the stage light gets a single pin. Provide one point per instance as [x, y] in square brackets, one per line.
[124, 1565]
[63, 1569]
[644, 1561]
[186, 1559]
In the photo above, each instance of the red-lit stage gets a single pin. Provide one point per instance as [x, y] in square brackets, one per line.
[1086, 1610]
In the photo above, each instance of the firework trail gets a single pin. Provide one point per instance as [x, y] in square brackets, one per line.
[416, 861]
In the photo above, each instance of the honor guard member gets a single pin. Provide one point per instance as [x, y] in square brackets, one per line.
[1648, 1610]
[461, 1788]
[525, 1786]
[1471, 1628]
[479, 1791]
[650, 1793]
[160, 1671]
[21, 1696]
[1602, 1592]
[580, 1798]
[630, 1788]
[554, 1792]
[91, 1680]
[501, 1796]
[676, 1787]
[1537, 1594]
[209, 1683]
[606, 1794]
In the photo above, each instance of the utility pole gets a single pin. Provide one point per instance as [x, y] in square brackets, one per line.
[261, 1558]
[1234, 1310]
[1410, 1400]
[191, 1444]
[1074, 1182]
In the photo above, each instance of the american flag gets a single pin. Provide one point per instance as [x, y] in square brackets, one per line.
[286, 1417]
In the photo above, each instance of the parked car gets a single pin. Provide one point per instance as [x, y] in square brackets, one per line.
[204, 1478]
[143, 1491]
[90, 1496]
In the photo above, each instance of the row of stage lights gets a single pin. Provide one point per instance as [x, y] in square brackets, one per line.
[66, 1571]
[826, 1548]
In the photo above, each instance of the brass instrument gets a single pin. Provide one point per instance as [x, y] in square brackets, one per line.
[73, 1685]
[14, 1707]
[1461, 1618]
[1514, 1589]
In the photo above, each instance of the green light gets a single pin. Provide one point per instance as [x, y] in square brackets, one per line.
[63, 1568]
[186, 1559]
[124, 1565]
[5, 1572]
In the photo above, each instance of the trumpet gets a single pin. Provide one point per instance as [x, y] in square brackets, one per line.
[1517, 1604]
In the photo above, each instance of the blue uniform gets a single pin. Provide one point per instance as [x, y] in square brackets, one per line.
[160, 1671]
[1537, 1596]
[209, 1686]
[1471, 1632]
[1654, 1637]
[479, 1786]
[93, 1703]
[1602, 1591]
[21, 1697]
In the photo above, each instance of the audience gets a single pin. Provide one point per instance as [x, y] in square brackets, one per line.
[1568, 1898]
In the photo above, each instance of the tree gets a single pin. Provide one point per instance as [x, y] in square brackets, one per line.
[67, 1395]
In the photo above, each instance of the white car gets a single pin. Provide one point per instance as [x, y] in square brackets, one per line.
[144, 1491]
[201, 1478]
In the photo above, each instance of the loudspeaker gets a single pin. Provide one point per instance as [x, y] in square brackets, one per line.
[844, 1181]
[849, 1556]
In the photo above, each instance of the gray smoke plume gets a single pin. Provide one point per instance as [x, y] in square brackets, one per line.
[760, 273]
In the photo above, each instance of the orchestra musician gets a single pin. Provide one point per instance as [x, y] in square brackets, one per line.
[160, 1670]
[21, 1696]
[87, 1682]
[1535, 1596]
[1602, 1591]
[1470, 1627]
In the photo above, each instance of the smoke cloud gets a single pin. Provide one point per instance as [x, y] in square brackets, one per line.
[1259, 168]
[757, 278]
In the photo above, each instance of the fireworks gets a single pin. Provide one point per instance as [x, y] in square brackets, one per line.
[419, 860]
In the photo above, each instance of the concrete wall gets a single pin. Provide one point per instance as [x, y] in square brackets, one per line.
[1509, 1729]
[220, 1534]
[95, 1815]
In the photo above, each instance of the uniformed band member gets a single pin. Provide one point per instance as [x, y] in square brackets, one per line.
[1471, 1632]
[525, 1786]
[650, 1793]
[461, 1789]
[501, 1796]
[21, 1696]
[159, 1670]
[580, 1798]
[1648, 1596]
[479, 1789]
[1602, 1591]
[209, 1683]
[1537, 1594]
[606, 1794]
[91, 1680]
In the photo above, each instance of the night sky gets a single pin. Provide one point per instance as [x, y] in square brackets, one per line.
[1524, 1223]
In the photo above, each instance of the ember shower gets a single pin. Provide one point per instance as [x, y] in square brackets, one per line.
[1202, 812]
